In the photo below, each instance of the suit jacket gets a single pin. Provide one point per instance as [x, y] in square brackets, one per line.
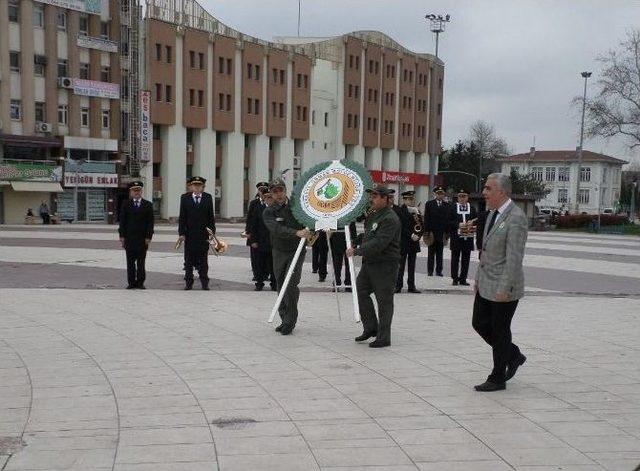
[481, 223]
[408, 221]
[257, 228]
[282, 227]
[457, 242]
[436, 218]
[254, 212]
[194, 220]
[381, 239]
[500, 269]
[136, 224]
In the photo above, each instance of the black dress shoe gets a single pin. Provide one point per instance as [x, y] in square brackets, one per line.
[140, 287]
[413, 290]
[464, 283]
[379, 344]
[322, 278]
[398, 290]
[188, 287]
[286, 329]
[131, 287]
[279, 328]
[205, 287]
[258, 288]
[314, 271]
[439, 274]
[455, 283]
[347, 290]
[429, 274]
[365, 336]
[512, 367]
[490, 386]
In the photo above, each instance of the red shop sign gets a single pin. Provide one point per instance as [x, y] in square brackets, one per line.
[403, 178]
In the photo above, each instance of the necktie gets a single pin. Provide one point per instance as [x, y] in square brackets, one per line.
[438, 203]
[493, 220]
[197, 200]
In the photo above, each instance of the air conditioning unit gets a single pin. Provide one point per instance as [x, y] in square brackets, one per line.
[297, 161]
[189, 147]
[157, 195]
[65, 82]
[43, 127]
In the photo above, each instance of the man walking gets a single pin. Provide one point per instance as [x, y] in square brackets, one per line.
[136, 230]
[436, 221]
[411, 222]
[500, 280]
[461, 238]
[196, 215]
[285, 234]
[380, 251]
[254, 214]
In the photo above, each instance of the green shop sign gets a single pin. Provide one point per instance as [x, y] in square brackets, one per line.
[32, 171]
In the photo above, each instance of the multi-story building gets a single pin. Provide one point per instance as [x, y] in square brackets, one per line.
[558, 170]
[68, 105]
[237, 109]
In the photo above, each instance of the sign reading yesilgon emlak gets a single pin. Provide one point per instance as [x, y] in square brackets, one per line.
[35, 171]
[85, 6]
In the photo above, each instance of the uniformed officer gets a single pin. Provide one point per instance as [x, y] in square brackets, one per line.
[436, 221]
[461, 241]
[196, 215]
[136, 230]
[380, 251]
[261, 244]
[254, 218]
[285, 234]
[411, 222]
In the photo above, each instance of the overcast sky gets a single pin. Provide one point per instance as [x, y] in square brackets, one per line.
[513, 63]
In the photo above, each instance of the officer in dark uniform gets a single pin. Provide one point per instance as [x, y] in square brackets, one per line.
[254, 216]
[285, 234]
[461, 245]
[380, 251]
[136, 230]
[411, 220]
[261, 244]
[196, 215]
[436, 221]
[338, 241]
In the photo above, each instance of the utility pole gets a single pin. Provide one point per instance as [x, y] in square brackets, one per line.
[299, 11]
[586, 76]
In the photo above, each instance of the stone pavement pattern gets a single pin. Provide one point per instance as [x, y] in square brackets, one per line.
[105, 379]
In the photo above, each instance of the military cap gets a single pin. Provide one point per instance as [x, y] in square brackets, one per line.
[277, 182]
[382, 190]
[136, 184]
[462, 191]
[197, 181]
[408, 194]
[262, 185]
[438, 189]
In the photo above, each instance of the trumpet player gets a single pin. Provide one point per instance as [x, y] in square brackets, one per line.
[196, 215]
[463, 219]
[411, 221]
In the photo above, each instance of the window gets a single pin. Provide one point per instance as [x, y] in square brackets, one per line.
[584, 196]
[221, 101]
[63, 114]
[106, 115]
[158, 92]
[158, 52]
[168, 95]
[282, 76]
[411, 76]
[168, 53]
[375, 96]
[514, 168]
[370, 66]
[375, 124]
[604, 175]
[274, 109]
[192, 59]
[406, 74]
[229, 66]
[369, 94]
[14, 11]
[304, 113]
[438, 133]
[249, 70]
[201, 60]
[313, 116]
[200, 98]
[221, 65]
[563, 174]
[351, 61]
[105, 74]
[357, 91]
[256, 106]
[249, 105]
[124, 90]
[14, 61]
[38, 15]
[439, 109]
[192, 98]
[38, 66]
[258, 73]
[275, 75]
[585, 174]
[62, 68]
[84, 70]
[550, 174]
[350, 90]
[156, 168]
[440, 84]
[299, 82]
[16, 110]
[368, 124]
[40, 112]
[228, 102]
[104, 30]
[326, 120]
[536, 173]
[357, 62]
[563, 195]
[355, 121]
[61, 19]
[349, 120]
[386, 126]
[281, 110]
[305, 79]
[83, 29]
[84, 117]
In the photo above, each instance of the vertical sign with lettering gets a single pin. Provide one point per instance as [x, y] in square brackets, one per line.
[146, 130]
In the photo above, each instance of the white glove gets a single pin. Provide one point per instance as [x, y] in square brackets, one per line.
[415, 237]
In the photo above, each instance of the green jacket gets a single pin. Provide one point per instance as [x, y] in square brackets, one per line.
[282, 227]
[381, 241]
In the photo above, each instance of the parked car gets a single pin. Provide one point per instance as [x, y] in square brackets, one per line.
[608, 211]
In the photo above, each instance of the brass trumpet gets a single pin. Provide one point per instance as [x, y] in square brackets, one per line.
[467, 229]
[218, 246]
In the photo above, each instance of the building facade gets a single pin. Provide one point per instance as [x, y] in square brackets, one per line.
[558, 169]
[237, 109]
[68, 105]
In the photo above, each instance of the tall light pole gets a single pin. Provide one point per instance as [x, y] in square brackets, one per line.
[586, 76]
[299, 9]
[436, 23]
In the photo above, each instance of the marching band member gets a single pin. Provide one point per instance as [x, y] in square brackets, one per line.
[411, 221]
[463, 218]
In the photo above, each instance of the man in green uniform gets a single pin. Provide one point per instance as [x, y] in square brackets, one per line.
[380, 251]
[285, 233]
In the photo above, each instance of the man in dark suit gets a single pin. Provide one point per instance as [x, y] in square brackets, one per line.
[409, 240]
[136, 230]
[196, 215]
[436, 221]
[254, 211]
[338, 242]
[320, 256]
[461, 238]
[261, 244]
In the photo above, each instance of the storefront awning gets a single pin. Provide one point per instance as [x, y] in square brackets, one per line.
[30, 141]
[40, 187]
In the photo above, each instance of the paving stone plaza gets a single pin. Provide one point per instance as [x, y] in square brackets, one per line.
[95, 377]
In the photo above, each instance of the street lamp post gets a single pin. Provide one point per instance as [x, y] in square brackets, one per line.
[634, 185]
[586, 76]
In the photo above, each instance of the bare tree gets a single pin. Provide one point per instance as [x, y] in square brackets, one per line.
[483, 136]
[615, 110]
